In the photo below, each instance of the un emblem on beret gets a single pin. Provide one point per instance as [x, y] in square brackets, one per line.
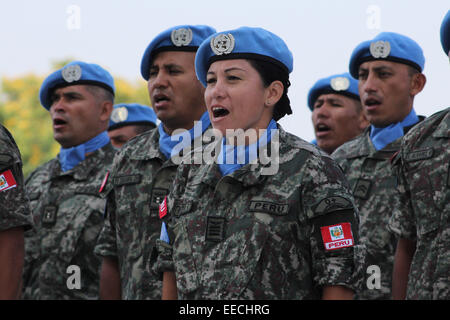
[119, 114]
[222, 44]
[340, 84]
[380, 49]
[181, 37]
[71, 73]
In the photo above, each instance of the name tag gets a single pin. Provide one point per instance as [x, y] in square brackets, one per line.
[269, 207]
[49, 216]
[419, 155]
[129, 179]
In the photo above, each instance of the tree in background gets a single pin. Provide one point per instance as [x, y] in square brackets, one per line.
[30, 124]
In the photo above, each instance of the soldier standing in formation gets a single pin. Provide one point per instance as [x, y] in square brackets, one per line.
[64, 192]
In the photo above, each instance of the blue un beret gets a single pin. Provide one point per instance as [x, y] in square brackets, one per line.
[179, 38]
[445, 34]
[343, 84]
[387, 46]
[74, 73]
[125, 114]
[242, 43]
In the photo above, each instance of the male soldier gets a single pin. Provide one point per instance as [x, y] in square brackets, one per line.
[14, 217]
[422, 263]
[129, 120]
[389, 69]
[143, 171]
[64, 192]
[337, 114]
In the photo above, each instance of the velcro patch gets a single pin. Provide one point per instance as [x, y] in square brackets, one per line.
[337, 236]
[7, 181]
[215, 229]
[163, 208]
[362, 188]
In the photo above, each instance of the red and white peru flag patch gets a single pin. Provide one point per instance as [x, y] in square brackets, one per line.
[163, 208]
[337, 236]
[7, 181]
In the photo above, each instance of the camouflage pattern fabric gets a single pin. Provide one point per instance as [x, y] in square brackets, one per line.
[423, 169]
[14, 205]
[68, 214]
[140, 178]
[253, 236]
[370, 176]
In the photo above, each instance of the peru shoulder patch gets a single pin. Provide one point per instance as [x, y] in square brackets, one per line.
[337, 236]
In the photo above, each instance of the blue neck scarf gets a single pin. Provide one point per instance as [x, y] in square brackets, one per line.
[235, 157]
[70, 157]
[171, 145]
[381, 137]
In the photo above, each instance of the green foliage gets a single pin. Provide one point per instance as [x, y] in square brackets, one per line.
[30, 124]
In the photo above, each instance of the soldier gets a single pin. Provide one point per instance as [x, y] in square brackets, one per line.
[389, 69]
[239, 230]
[422, 263]
[129, 120]
[64, 192]
[14, 217]
[143, 171]
[337, 114]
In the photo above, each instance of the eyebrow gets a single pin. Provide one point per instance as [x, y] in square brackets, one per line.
[377, 69]
[228, 70]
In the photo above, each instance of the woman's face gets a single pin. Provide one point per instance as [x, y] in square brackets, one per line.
[236, 97]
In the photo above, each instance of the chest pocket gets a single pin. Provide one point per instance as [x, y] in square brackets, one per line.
[428, 172]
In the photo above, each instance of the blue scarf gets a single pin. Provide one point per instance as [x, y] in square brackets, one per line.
[70, 157]
[381, 137]
[167, 143]
[236, 157]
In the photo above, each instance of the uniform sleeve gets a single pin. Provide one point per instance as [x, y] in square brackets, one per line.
[106, 244]
[337, 255]
[401, 221]
[14, 204]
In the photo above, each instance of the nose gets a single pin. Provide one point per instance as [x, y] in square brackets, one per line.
[217, 91]
[368, 85]
[57, 106]
[160, 80]
[322, 112]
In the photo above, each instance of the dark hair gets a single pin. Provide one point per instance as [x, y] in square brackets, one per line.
[269, 73]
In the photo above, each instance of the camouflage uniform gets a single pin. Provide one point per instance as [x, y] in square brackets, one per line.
[370, 176]
[14, 206]
[68, 214]
[140, 178]
[253, 236]
[423, 168]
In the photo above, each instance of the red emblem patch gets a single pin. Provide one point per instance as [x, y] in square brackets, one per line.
[104, 182]
[337, 236]
[163, 208]
[7, 181]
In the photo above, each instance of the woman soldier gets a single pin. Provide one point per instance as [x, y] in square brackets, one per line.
[234, 230]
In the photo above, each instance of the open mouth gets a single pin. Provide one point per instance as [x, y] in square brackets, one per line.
[159, 98]
[322, 128]
[219, 112]
[371, 102]
[59, 122]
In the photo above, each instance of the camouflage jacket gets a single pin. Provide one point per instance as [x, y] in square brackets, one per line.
[253, 236]
[369, 174]
[140, 178]
[14, 206]
[423, 169]
[68, 215]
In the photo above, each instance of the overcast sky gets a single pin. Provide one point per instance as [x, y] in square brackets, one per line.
[321, 35]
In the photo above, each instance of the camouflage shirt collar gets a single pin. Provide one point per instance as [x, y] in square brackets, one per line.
[149, 148]
[84, 168]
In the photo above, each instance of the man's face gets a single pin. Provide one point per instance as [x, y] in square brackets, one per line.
[385, 89]
[77, 115]
[121, 135]
[336, 120]
[175, 93]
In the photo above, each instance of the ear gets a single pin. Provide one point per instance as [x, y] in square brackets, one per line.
[418, 81]
[106, 108]
[273, 93]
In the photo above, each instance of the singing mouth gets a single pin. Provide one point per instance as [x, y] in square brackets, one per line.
[219, 112]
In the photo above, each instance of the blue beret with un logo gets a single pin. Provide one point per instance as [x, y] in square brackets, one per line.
[343, 84]
[179, 38]
[387, 46]
[242, 43]
[125, 114]
[445, 34]
[75, 73]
